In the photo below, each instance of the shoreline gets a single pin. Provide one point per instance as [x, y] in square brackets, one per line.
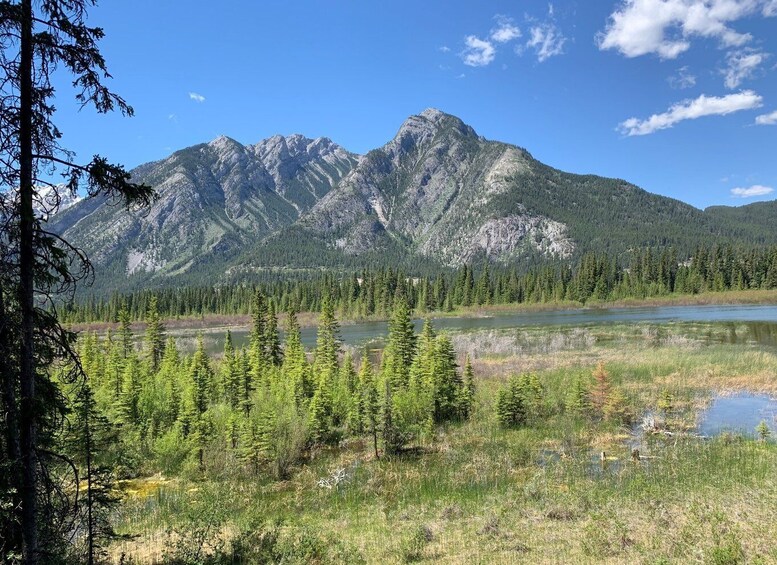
[309, 319]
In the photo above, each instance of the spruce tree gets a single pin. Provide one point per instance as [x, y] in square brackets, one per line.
[200, 385]
[155, 336]
[88, 435]
[295, 367]
[272, 340]
[510, 405]
[578, 399]
[168, 379]
[127, 408]
[447, 381]
[125, 332]
[369, 401]
[258, 345]
[230, 373]
[400, 346]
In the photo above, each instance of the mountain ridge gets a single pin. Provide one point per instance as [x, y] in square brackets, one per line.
[435, 195]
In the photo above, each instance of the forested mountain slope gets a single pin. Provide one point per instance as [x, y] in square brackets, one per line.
[437, 195]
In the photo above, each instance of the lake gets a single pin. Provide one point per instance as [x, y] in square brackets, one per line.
[733, 324]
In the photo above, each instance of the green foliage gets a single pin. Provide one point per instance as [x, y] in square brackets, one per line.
[577, 401]
[762, 430]
[155, 336]
[511, 405]
[616, 408]
[665, 403]
[595, 276]
[521, 401]
[276, 542]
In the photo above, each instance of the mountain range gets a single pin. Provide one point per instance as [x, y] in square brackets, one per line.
[436, 195]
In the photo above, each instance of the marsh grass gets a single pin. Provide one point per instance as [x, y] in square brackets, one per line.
[541, 494]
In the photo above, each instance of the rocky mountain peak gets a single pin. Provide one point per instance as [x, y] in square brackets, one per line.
[223, 144]
[423, 128]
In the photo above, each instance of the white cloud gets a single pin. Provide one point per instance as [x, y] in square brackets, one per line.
[199, 98]
[665, 27]
[691, 110]
[769, 119]
[682, 80]
[755, 190]
[478, 52]
[444, 49]
[741, 65]
[770, 8]
[546, 40]
[505, 30]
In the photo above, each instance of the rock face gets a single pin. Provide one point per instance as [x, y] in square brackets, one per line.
[214, 200]
[437, 194]
[433, 187]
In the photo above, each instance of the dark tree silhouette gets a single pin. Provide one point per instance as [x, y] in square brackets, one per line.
[38, 267]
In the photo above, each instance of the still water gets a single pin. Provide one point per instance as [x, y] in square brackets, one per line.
[739, 413]
[733, 324]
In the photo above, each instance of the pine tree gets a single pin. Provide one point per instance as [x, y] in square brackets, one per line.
[168, 381]
[246, 382]
[295, 367]
[258, 345]
[578, 399]
[400, 346]
[369, 401]
[510, 405]
[483, 288]
[127, 407]
[446, 379]
[272, 339]
[666, 402]
[113, 368]
[320, 412]
[345, 393]
[322, 416]
[155, 336]
[230, 373]
[616, 408]
[87, 436]
[533, 396]
[200, 384]
[327, 346]
[125, 332]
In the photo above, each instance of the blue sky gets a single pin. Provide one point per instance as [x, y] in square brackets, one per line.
[676, 96]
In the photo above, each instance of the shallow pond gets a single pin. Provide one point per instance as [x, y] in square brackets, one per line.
[738, 413]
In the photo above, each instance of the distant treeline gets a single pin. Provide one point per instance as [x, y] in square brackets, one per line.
[645, 273]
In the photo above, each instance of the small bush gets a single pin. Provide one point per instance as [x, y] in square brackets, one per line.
[278, 543]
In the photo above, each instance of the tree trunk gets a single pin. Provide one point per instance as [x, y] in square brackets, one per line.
[12, 535]
[27, 420]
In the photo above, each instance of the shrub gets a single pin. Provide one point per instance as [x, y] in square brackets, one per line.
[521, 402]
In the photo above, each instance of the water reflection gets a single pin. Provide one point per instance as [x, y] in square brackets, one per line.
[743, 324]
